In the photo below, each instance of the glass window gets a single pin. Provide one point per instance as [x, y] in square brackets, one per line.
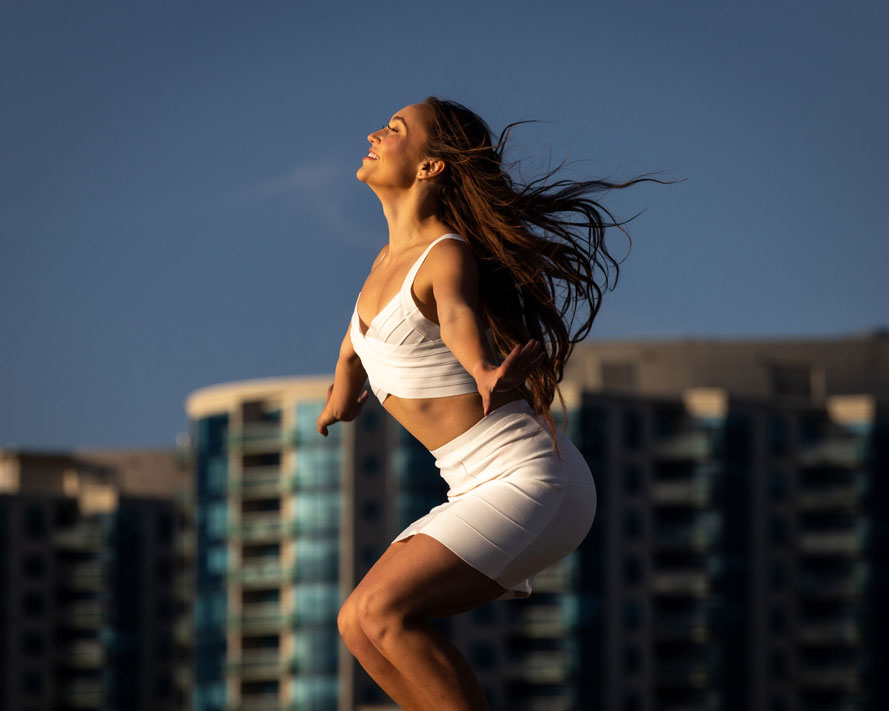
[632, 479]
[33, 604]
[217, 475]
[315, 693]
[778, 529]
[482, 655]
[217, 519]
[316, 603]
[317, 513]
[34, 521]
[778, 484]
[779, 435]
[778, 574]
[34, 566]
[632, 523]
[371, 465]
[217, 559]
[632, 659]
[632, 425]
[32, 643]
[32, 681]
[778, 663]
[631, 701]
[632, 569]
[632, 613]
[318, 468]
[307, 413]
[313, 653]
[317, 559]
[370, 510]
[777, 619]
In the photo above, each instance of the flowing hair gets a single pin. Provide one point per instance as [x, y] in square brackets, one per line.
[540, 245]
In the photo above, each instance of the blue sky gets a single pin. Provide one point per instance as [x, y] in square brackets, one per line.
[179, 206]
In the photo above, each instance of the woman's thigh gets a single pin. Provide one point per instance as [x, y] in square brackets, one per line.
[420, 578]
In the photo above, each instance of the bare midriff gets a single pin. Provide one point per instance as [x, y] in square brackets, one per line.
[436, 421]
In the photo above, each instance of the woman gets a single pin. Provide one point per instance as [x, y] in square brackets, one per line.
[460, 327]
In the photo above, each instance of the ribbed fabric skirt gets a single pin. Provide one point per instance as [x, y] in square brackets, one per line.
[514, 506]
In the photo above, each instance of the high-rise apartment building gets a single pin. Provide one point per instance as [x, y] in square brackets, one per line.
[87, 562]
[733, 563]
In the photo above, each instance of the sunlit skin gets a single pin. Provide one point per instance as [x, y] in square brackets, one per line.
[384, 620]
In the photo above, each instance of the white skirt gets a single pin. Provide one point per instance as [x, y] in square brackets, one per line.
[514, 507]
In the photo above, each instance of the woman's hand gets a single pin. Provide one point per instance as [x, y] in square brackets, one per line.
[328, 416]
[510, 373]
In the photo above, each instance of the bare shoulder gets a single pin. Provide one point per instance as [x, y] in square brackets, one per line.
[451, 273]
[451, 257]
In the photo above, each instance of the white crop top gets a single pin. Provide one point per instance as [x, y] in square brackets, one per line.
[402, 351]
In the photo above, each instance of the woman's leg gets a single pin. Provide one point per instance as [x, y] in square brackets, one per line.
[380, 669]
[416, 582]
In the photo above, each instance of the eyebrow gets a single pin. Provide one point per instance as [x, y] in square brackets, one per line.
[398, 118]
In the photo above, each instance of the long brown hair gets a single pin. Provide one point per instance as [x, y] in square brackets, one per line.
[540, 245]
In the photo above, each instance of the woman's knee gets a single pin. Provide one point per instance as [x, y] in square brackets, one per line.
[347, 622]
[379, 614]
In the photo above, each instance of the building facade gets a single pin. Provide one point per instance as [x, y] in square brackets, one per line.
[734, 562]
[87, 563]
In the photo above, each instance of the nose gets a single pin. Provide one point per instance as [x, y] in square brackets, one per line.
[373, 137]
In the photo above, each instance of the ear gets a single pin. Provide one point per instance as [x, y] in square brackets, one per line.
[430, 167]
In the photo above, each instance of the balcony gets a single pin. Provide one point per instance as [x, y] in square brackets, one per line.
[260, 617]
[693, 673]
[183, 630]
[829, 634]
[262, 573]
[84, 654]
[315, 479]
[849, 453]
[850, 542]
[834, 678]
[550, 667]
[563, 702]
[257, 437]
[690, 582]
[257, 664]
[87, 575]
[694, 446]
[695, 491]
[259, 528]
[845, 498]
[693, 627]
[83, 694]
[258, 483]
[557, 578]
[328, 528]
[80, 538]
[832, 585]
[259, 702]
[702, 533]
[541, 621]
[89, 614]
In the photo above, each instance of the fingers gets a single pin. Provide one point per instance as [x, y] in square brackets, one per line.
[520, 360]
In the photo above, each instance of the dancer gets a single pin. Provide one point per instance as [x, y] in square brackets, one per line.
[461, 330]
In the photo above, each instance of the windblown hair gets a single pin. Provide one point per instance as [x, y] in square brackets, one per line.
[540, 246]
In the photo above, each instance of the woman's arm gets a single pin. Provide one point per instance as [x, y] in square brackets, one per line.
[454, 273]
[343, 401]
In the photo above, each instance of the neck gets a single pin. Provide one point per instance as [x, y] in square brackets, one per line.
[412, 220]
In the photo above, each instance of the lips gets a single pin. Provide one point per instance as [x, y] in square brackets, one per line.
[372, 155]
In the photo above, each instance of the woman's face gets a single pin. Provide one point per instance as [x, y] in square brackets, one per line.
[396, 150]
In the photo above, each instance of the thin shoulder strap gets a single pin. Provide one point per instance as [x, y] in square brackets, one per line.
[411, 275]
